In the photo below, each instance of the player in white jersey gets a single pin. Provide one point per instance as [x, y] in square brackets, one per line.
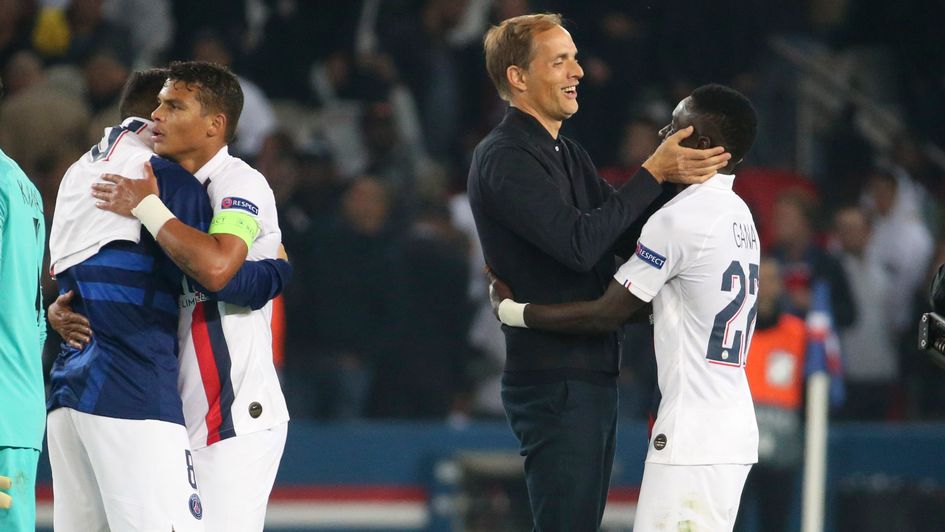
[697, 262]
[234, 409]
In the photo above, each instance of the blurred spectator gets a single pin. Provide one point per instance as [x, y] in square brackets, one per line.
[639, 140]
[847, 158]
[870, 357]
[148, 23]
[16, 23]
[23, 70]
[347, 315]
[760, 188]
[105, 76]
[225, 17]
[435, 357]
[388, 157]
[75, 33]
[296, 34]
[617, 47]
[901, 242]
[42, 123]
[257, 119]
[775, 372]
[484, 332]
[432, 67]
[803, 260]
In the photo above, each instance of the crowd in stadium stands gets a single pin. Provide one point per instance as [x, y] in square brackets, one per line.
[363, 115]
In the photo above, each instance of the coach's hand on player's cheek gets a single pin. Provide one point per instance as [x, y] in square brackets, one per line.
[498, 290]
[73, 327]
[678, 164]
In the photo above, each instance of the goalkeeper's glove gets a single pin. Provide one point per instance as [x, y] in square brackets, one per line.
[5, 500]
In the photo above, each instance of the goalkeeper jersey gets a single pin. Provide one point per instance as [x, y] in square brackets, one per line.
[22, 323]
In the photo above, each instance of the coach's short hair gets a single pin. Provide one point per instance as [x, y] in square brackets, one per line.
[510, 43]
[732, 112]
[140, 95]
[218, 89]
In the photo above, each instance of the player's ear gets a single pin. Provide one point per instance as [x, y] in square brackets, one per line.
[217, 125]
[704, 142]
[516, 77]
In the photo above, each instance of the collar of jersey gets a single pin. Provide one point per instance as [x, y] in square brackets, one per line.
[718, 181]
[144, 133]
[722, 181]
[212, 165]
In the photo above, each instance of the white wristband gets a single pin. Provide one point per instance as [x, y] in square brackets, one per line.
[512, 313]
[153, 214]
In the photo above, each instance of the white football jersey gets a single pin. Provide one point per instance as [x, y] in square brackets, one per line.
[697, 261]
[228, 382]
[79, 228]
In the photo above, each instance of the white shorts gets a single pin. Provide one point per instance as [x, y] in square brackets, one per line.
[121, 474]
[694, 498]
[236, 477]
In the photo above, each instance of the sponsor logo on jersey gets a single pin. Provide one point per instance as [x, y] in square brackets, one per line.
[240, 203]
[190, 299]
[650, 257]
[196, 507]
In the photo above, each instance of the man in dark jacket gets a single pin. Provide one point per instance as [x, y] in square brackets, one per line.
[549, 226]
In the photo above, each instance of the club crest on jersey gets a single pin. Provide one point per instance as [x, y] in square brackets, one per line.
[239, 203]
[650, 257]
[196, 507]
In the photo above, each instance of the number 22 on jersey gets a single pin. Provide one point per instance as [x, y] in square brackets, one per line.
[731, 330]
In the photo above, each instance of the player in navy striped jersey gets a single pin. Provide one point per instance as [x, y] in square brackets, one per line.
[119, 451]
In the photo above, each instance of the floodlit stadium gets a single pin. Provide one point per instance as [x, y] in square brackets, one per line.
[434, 205]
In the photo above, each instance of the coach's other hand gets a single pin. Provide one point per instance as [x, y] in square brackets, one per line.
[687, 166]
[73, 327]
[498, 291]
[119, 194]
[5, 500]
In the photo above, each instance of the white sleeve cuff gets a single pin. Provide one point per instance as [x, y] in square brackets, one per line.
[153, 214]
[512, 313]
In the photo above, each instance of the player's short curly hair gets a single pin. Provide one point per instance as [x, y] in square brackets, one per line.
[510, 43]
[732, 112]
[218, 89]
[140, 94]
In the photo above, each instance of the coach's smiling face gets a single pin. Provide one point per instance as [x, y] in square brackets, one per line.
[184, 129]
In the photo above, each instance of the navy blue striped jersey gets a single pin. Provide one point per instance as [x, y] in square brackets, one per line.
[129, 292]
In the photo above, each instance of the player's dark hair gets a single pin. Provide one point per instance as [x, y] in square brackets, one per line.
[732, 112]
[218, 89]
[140, 95]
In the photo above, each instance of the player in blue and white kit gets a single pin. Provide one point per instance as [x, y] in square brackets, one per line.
[697, 260]
[234, 408]
[119, 451]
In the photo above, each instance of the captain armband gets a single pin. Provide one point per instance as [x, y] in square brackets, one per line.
[512, 313]
[237, 224]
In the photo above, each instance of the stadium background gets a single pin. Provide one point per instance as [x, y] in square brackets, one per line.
[363, 114]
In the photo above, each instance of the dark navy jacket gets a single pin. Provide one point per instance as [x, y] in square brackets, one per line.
[549, 226]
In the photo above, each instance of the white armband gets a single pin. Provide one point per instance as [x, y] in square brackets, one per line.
[153, 213]
[512, 313]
